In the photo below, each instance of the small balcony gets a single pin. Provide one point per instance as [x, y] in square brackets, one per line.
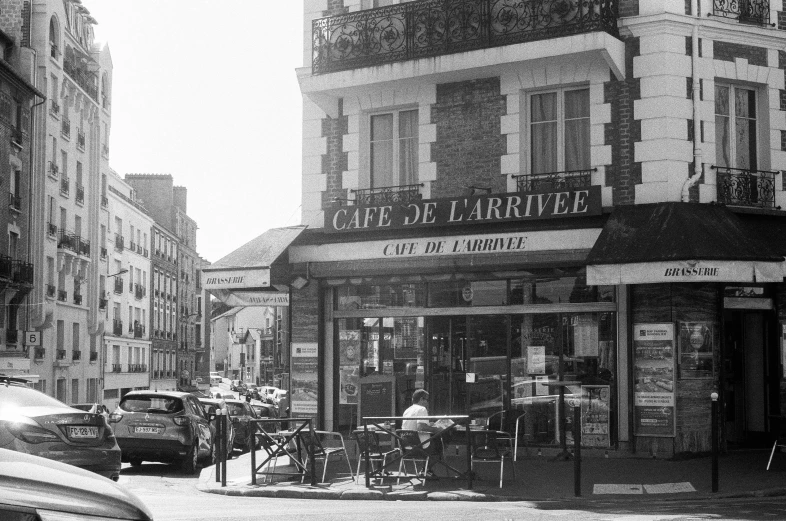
[93, 356]
[65, 128]
[102, 302]
[62, 295]
[51, 229]
[53, 170]
[60, 354]
[22, 272]
[104, 201]
[39, 352]
[139, 331]
[54, 108]
[750, 188]
[554, 180]
[116, 368]
[402, 194]
[417, 29]
[139, 291]
[80, 194]
[65, 185]
[77, 299]
[103, 252]
[117, 327]
[80, 139]
[83, 247]
[76, 354]
[119, 242]
[746, 11]
[119, 286]
[50, 291]
[67, 241]
[11, 336]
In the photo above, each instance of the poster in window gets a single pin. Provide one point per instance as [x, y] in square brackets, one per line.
[585, 335]
[696, 348]
[653, 373]
[536, 359]
[349, 366]
[595, 415]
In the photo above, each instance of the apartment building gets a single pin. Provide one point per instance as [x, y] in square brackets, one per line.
[529, 207]
[127, 349]
[164, 324]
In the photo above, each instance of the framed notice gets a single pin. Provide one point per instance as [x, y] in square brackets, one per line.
[595, 415]
[377, 397]
[653, 372]
[696, 348]
[304, 379]
[536, 359]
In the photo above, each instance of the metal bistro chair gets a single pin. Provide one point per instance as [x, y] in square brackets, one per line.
[491, 447]
[333, 446]
[408, 442]
[375, 452]
[780, 441]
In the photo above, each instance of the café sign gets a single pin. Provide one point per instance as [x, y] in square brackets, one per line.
[514, 206]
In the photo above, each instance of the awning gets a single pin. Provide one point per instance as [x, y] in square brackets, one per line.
[679, 242]
[256, 274]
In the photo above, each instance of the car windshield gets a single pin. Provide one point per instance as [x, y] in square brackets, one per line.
[13, 396]
[160, 404]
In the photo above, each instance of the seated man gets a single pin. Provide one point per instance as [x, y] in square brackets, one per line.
[425, 429]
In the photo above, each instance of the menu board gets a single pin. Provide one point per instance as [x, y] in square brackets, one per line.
[377, 396]
[696, 347]
[349, 366]
[304, 381]
[595, 415]
[653, 373]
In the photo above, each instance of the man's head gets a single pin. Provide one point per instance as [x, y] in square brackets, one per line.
[421, 395]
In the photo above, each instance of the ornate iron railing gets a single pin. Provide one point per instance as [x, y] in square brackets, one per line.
[51, 229]
[117, 327]
[86, 80]
[750, 11]
[93, 356]
[53, 169]
[65, 240]
[62, 295]
[23, 272]
[80, 194]
[65, 128]
[739, 187]
[119, 286]
[428, 28]
[116, 368]
[388, 194]
[54, 108]
[50, 291]
[554, 180]
[80, 138]
[65, 185]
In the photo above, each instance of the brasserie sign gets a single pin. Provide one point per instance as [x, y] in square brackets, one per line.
[513, 206]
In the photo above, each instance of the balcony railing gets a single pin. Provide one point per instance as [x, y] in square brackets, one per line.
[748, 11]
[14, 201]
[62, 295]
[80, 194]
[60, 354]
[83, 247]
[116, 368]
[554, 180]
[39, 352]
[65, 128]
[53, 169]
[11, 336]
[54, 108]
[80, 138]
[388, 195]
[77, 299]
[6, 267]
[51, 229]
[22, 272]
[139, 331]
[50, 291]
[119, 286]
[65, 185]
[76, 354]
[431, 28]
[67, 240]
[738, 187]
[119, 242]
[117, 327]
[102, 302]
[93, 356]
[139, 291]
[86, 80]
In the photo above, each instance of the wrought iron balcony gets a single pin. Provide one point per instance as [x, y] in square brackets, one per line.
[93, 356]
[388, 195]
[77, 299]
[51, 229]
[60, 354]
[103, 252]
[65, 128]
[132, 246]
[67, 240]
[80, 138]
[102, 302]
[554, 180]
[117, 327]
[50, 290]
[23, 272]
[14, 201]
[6, 267]
[119, 286]
[62, 295]
[76, 354]
[139, 292]
[80, 194]
[53, 169]
[423, 29]
[84, 247]
[739, 187]
[54, 108]
[747, 11]
[116, 368]
[139, 331]
[11, 336]
[39, 352]
[85, 79]
[119, 242]
[65, 185]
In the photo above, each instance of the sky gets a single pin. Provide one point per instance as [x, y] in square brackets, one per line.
[206, 91]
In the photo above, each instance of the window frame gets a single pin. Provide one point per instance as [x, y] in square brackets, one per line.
[762, 160]
[367, 144]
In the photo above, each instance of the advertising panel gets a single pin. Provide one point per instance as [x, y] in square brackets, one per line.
[304, 382]
[595, 415]
[653, 373]
[349, 366]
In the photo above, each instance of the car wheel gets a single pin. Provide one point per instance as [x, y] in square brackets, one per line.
[135, 462]
[191, 461]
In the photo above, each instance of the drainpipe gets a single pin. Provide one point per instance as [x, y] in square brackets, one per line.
[697, 165]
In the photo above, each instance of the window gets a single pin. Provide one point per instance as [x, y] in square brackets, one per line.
[78, 173]
[394, 148]
[13, 244]
[559, 129]
[75, 336]
[64, 163]
[739, 151]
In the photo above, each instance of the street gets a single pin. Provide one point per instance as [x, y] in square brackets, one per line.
[173, 496]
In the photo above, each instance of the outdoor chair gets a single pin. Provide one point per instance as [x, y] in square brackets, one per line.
[780, 441]
[491, 447]
[408, 443]
[322, 445]
[371, 442]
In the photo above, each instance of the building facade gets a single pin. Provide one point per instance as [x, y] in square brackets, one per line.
[127, 349]
[527, 211]
[163, 292]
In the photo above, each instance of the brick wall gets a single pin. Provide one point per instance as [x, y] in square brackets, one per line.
[624, 131]
[305, 313]
[469, 143]
[335, 8]
[11, 18]
[729, 51]
[334, 161]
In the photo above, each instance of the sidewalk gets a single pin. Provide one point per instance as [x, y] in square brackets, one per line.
[631, 478]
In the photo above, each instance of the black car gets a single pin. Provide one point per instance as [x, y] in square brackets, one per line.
[165, 426]
[35, 423]
[34, 488]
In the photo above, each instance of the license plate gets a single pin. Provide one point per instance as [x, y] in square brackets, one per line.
[146, 430]
[82, 432]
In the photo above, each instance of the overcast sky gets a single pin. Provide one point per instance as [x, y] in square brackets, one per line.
[206, 91]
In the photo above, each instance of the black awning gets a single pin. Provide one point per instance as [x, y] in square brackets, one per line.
[678, 242]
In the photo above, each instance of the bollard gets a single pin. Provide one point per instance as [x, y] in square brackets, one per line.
[254, 455]
[577, 451]
[219, 443]
[365, 452]
[224, 434]
[714, 430]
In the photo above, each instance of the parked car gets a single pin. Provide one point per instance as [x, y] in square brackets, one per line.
[165, 426]
[215, 378]
[210, 406]
[281, 399]
[34, 488]
[241, 413]
[34, 423]
[253, 390]
[263, 409]
[99, 408]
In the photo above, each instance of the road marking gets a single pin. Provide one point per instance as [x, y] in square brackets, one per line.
[617, 489]
[669, 488]
[628, 488]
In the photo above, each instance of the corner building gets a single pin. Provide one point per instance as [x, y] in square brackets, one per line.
[582, 206]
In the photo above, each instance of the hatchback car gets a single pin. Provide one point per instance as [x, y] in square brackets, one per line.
[210, 406]
[165, 426]
[35, 423]
[242, 414]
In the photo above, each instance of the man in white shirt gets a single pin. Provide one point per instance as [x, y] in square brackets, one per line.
[425, 428]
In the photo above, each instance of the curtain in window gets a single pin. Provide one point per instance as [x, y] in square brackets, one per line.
[745, 132]
[382, 151]
[408, 147]
[544, 133]
[577, 130]
[722, 148]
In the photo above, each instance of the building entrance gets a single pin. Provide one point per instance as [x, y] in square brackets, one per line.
[749, 379]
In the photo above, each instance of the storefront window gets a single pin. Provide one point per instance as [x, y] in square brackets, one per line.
[382, 296]
[468, 293]
[557, 287]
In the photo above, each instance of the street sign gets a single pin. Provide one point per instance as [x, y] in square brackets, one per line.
[32, 338]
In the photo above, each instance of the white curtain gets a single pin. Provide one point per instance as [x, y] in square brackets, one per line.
[577, 130]
[544, 133]
[408, 147]
[382, 151]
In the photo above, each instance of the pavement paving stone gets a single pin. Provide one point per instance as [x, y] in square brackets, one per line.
[407, 495]
[363, 494]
